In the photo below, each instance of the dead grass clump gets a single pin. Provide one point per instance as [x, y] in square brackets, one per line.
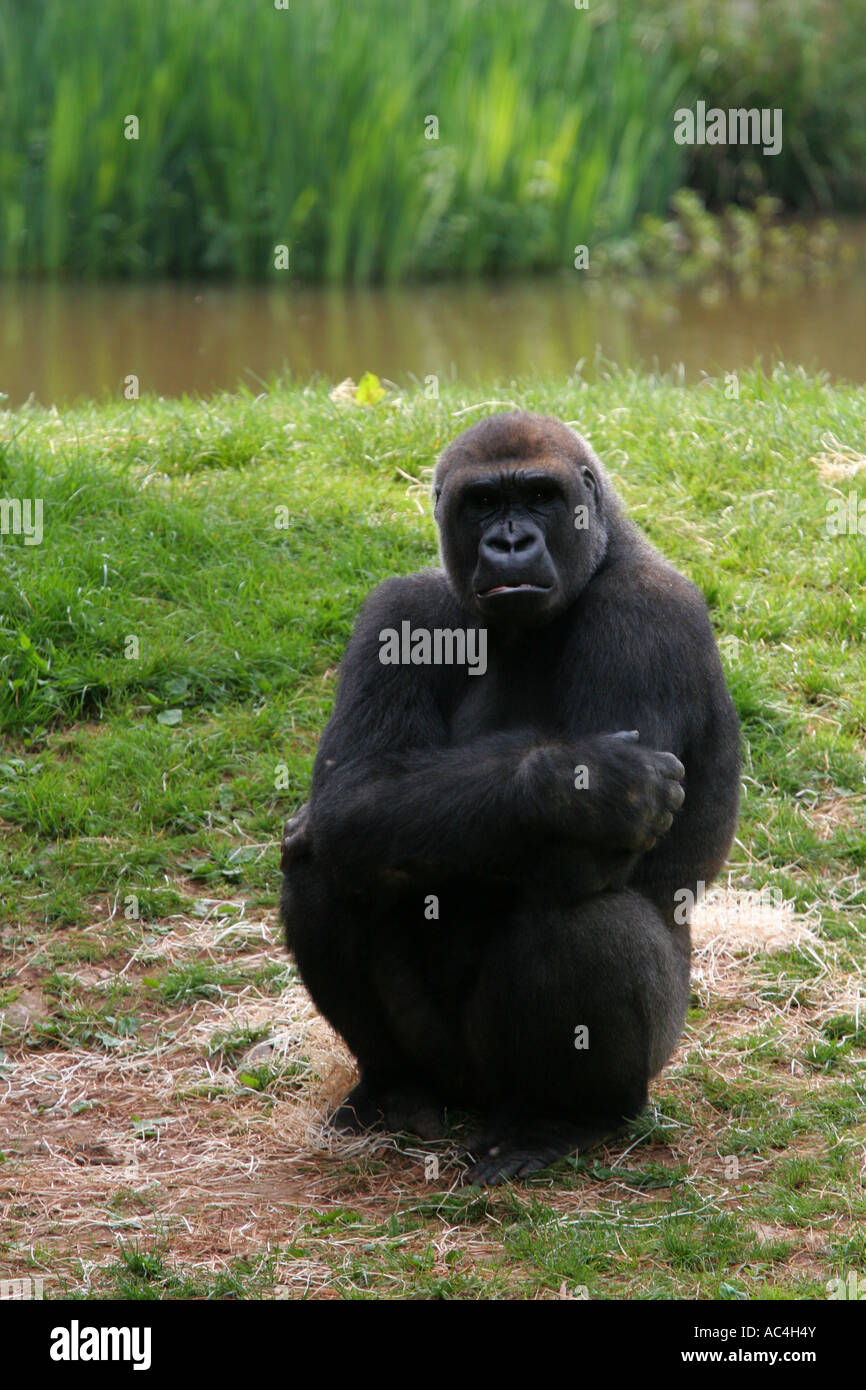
[837, 461]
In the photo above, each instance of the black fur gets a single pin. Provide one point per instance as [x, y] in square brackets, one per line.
[556, 904]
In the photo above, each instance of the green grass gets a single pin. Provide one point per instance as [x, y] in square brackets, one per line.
[121, 832]
[145, 1273]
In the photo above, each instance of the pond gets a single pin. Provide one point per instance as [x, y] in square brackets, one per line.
[59, 341]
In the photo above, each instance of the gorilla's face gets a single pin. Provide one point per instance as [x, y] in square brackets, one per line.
[520, 536]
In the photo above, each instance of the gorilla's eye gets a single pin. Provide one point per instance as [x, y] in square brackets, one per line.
[542, 492]
[482, 499]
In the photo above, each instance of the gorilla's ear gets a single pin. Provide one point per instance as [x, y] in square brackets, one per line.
[437, 493]
[591, 481]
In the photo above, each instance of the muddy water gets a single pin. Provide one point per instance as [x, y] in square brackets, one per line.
[61, 341]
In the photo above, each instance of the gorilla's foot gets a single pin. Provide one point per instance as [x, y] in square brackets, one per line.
[397, 1106]
[357, 1112]
[516, 1149]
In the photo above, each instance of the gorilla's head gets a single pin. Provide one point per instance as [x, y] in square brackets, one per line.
[523, 508]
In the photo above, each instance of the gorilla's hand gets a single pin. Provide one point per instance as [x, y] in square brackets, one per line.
[629, 794]
[645, 785]
[296, 839]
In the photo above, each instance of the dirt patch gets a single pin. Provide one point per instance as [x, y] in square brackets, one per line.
[160, 1135]
[135, 1142]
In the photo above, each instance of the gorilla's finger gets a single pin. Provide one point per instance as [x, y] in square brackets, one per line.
[670, 766]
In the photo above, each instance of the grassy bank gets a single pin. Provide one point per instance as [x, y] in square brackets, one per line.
[167, 661]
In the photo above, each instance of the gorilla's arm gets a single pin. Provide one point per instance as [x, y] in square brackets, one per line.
[390, 793]
[700, 838]
[492, 804]
[674, 689]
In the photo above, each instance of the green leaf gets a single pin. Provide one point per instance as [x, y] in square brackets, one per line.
[370, 389]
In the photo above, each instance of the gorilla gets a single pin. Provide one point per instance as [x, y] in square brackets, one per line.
[530, 774]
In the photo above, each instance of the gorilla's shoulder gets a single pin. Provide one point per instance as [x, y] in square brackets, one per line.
[425, 597]
[649, 593]
[659, 579]
[634, 566]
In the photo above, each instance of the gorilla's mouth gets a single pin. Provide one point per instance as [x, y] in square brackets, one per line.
[515, 589]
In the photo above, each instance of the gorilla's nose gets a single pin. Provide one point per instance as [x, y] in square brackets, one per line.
[512, 547]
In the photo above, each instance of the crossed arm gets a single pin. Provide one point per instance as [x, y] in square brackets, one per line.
[499, 806]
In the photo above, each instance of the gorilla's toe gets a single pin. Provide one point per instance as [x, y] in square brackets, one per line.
[527, 1150]
[400, 1108]
[498, 1165]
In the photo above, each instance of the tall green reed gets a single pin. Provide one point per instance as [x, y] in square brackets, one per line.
[306, 126]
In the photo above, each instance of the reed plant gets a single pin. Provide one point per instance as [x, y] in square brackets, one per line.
[309, 127]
